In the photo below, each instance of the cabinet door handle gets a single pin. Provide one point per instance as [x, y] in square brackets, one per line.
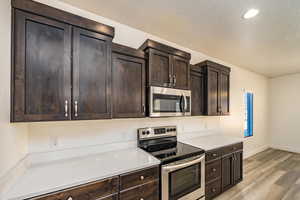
[66, 108]
[214, 155]
[144, 109]
[142, 178]
[214, 190]
[214, 169]
[170, 80]
[174, 80]
[141, 199]
[69, 198]
[76, 108]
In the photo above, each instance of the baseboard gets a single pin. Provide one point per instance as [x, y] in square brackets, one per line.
[289, 149]
[255, 151]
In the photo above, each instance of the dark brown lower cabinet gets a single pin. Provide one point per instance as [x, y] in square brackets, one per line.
[136, 185]
[147, 191]
[227, 172]
[223, 169]
[106, 189]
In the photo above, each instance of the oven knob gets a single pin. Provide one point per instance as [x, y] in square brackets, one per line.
[148, 132]
[144, 132]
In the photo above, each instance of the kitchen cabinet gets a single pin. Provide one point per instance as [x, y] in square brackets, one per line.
[104, 189]
[217, 88]
[140, 184]
[223, 169]
[91, 75]
[232, 170]
[197, 90]
[59, 71]
[167, 66]
[128, 82]
[41, 73]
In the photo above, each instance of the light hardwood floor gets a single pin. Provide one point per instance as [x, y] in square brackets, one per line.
[269, 175]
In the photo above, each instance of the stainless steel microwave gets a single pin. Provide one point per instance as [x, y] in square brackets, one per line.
[169, 102]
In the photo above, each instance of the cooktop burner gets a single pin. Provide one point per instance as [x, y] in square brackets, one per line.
[164, 145]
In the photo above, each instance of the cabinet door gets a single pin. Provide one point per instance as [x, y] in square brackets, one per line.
[181, 73]
[41, 73]
[213, 107]
[160, 68]
[197, 89]
[91, 75]
[227, 172]
[128, 86]
[238, 167]
[224, 93]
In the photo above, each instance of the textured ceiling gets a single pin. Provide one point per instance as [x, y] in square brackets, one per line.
[268, 44]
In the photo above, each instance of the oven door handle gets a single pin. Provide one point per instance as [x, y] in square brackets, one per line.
[183, 165]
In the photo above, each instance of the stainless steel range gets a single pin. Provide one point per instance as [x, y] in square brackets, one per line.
[182, 165]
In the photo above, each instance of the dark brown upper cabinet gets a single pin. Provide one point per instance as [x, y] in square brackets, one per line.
[197, 89]
[217, 88]
[91, 75]
[41, 87]
[128, 82]
[58, 74]
[167, 66]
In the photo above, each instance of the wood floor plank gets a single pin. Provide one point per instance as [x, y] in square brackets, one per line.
[270, 175]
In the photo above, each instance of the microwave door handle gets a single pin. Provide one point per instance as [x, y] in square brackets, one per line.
[182, 103]
[183, 165]
[185, 103]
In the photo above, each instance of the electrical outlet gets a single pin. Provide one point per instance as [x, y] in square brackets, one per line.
[53, 141]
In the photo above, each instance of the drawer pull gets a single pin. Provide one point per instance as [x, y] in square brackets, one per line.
[69, 198]
[214, 169]
[142, 178]
[214, 190]
[214, 155]
[141, 199]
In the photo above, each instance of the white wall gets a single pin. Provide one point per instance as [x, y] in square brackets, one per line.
[85, 133]
[242, 80]
[284, 112]
[13, 137]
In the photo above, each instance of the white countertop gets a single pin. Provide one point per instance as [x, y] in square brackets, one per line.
[209, 141]
[57, 175]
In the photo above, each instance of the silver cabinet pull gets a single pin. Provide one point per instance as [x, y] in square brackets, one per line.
[214, 170]
[69, 198]
[142, 177]
[141, 199]
[76, 108]
[66, 108]
[170, 80]
[174, 80]
[144, 109]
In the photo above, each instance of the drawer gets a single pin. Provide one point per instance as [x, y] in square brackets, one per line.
[213, 154]
[149, 191]
[138, 177]
[232, 148]
[213, 189]
[106, 189]
[213, 170]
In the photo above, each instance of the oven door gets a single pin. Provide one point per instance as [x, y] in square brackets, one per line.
[184, 180]
[167, 102]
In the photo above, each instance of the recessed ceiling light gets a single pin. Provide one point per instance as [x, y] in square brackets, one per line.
[250, 13]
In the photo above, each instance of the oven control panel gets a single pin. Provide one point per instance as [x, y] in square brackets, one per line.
[157, 132]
